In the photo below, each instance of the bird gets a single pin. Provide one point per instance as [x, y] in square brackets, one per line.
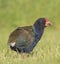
[24, 39]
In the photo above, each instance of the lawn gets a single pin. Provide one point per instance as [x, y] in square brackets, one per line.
[15, 13]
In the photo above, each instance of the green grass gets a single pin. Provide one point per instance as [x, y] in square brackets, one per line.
[15, 13]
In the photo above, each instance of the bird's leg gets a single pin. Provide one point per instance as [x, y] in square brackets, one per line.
[17, 52]
[25, 55]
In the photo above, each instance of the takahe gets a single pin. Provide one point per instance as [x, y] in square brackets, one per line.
[24, 39]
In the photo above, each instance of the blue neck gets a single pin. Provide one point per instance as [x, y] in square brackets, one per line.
[38, 34]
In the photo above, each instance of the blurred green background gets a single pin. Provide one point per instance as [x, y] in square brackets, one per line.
[15, 13]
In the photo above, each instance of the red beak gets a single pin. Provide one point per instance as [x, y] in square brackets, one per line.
[48, 23]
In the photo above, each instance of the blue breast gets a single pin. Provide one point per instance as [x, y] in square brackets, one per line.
[38, 34]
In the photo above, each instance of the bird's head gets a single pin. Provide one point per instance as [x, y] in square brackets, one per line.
[42, 22]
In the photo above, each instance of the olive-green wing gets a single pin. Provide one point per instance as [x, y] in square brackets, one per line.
[22, 36]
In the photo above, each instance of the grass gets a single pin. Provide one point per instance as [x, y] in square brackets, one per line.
[15, 13]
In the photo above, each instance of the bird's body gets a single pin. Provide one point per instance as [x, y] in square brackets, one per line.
[24, 39]
[24, 36]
